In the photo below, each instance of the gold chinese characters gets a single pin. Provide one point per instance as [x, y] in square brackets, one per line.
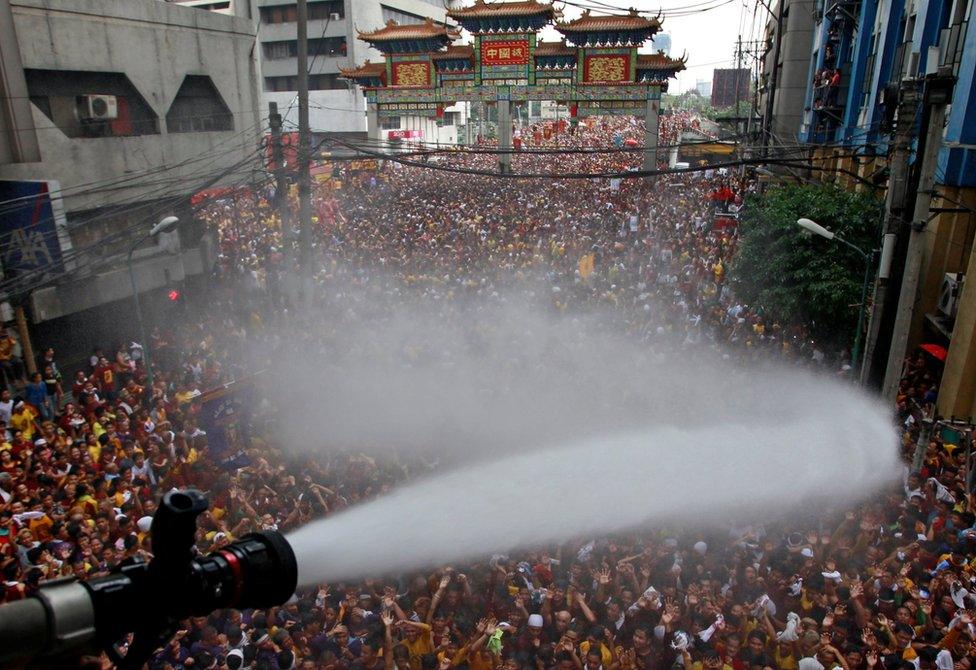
[607, 68]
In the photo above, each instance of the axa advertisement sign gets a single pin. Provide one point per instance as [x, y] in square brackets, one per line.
[33, 230]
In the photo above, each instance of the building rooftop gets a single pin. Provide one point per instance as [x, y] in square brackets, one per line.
[554, 49]
[367, 69]
[660, 61]
[409, 31]
[481, 9]
[616, 22]
[455, 52]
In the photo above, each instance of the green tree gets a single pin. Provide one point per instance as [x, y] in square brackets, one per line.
[743, 108]
[800, 278]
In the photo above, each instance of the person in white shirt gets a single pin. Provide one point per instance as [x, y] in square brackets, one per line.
[5, 486]
[6, 406]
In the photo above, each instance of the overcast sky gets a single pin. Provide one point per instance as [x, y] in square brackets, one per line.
[707, 36]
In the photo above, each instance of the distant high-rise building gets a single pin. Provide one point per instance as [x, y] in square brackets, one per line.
[662, 42]
[729, 85]
[704, 88]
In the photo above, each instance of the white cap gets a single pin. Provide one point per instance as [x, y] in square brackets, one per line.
[807, 552]
[144, 524]
[701, 547]
[536, 621]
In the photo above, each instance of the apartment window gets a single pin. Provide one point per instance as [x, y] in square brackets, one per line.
[198, 108]
[323, 11]
[401, 17]
[279, 14]
[326, 46]
[898, 65]
[64, 97]
[317, 11]
[869, 65]
[281, 83]
[316, 82]
[279, 50]
[326, 82]
[954, 40]
[390, 122]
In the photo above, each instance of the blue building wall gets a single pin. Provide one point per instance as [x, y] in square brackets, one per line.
[857, 116]
[957, 166]
[850, 129]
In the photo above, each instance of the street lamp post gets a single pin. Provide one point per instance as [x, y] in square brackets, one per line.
[868, 256]
[164, 226]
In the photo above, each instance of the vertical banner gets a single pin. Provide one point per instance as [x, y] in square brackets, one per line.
[225, 414]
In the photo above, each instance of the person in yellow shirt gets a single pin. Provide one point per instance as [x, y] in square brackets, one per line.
[85, 500]
[593, 640]
[784, 656]
[97, 428]
[24, 419]
[41, 527]
[94, 446]
[710, 661]
[417, 641]
[474, 653]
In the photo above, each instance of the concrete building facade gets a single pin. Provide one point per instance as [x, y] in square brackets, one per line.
[122, 108]
[335, 105]
[862, 53]
[792, 67]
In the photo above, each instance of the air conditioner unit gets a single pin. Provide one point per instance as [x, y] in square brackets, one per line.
[334, 16]
[911, 69]
[949, 293]
[98, 107]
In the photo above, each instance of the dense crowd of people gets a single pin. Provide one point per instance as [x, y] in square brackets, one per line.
[887, 584]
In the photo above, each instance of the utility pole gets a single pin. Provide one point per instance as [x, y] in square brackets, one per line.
[896, 202]
[771, 84]
[278, 157]
[753, 106]
[938, 94]
[281, 201]
[738, 70]
[27, 349]
[304, 156]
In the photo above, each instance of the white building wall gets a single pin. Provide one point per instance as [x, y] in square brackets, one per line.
[337, 110]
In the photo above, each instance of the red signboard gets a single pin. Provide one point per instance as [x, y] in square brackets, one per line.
[606, 69]
[405, 134]
[411, 73]
[505, 52]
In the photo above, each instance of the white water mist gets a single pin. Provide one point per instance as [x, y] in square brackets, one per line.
[696, 477]
[555, 429]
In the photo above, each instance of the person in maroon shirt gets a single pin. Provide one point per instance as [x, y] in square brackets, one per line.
[104, 377]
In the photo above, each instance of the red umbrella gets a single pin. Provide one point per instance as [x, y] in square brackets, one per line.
[631, 142]
[937, 351]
